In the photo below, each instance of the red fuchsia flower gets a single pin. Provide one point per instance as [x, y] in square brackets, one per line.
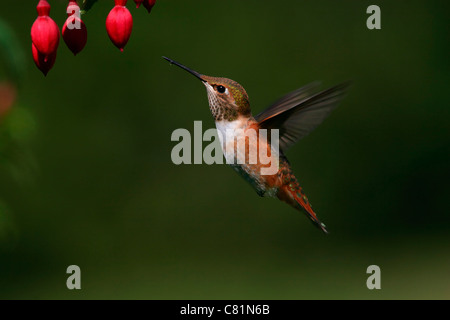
[43, 62]
[119, 24]
[138, 3]
[148, 4]
[45, 32]
[74, 31]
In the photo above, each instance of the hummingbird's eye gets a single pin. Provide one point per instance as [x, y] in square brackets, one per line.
[221, 89]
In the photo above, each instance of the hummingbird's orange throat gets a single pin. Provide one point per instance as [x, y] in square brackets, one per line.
[219, 106]
[228, 100]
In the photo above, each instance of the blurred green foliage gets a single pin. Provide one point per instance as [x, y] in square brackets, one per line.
[12, 59]
[87, 5]
[103, 194]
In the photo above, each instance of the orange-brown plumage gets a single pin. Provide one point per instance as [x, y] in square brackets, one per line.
[293, 117]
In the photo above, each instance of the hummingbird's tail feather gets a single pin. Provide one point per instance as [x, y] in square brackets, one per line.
[297, 199]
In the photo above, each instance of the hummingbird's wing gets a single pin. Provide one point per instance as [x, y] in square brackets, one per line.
[300, 112]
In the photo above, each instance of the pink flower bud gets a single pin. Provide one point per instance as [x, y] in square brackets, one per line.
[74, 31]
[138, 3]
[148, 4]
[44, 63]
[119, 24]
[45, 32]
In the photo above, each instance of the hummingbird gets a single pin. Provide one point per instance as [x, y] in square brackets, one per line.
[295, 115]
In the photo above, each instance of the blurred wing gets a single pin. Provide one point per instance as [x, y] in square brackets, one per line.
[300, 112]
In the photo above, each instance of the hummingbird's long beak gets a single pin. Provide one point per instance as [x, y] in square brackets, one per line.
[195, 73]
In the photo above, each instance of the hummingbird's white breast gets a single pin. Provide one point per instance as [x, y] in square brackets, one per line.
[230, 134]
[242, 155]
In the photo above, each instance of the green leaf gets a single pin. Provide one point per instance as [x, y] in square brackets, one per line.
[87, 5]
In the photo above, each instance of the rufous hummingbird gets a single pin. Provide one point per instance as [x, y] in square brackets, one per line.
[295, 115]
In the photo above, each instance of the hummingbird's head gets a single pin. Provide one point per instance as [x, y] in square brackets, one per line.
[228, 100]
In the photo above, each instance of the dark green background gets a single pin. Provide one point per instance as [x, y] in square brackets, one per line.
[86, 176]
